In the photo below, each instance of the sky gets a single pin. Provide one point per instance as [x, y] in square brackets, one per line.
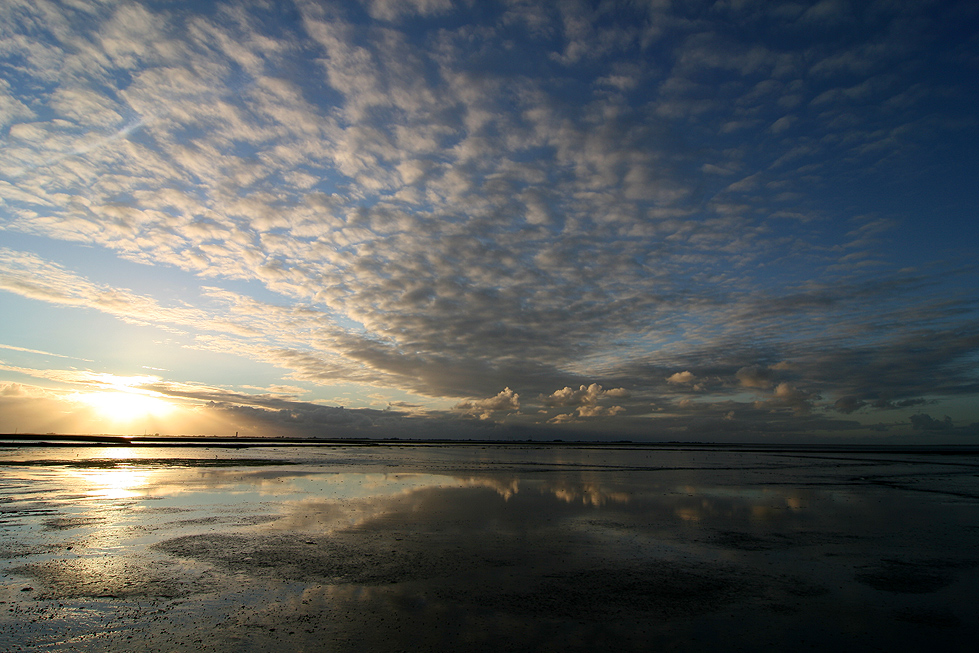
[729, 220]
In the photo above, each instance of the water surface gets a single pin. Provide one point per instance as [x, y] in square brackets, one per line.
[508, 547]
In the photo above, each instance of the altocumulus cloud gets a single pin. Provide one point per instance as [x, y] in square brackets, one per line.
[718, 213]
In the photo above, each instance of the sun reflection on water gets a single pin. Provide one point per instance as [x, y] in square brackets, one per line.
[120, 477]
[119, 483]
[118, 452]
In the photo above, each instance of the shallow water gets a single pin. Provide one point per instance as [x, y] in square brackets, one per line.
[515, 547]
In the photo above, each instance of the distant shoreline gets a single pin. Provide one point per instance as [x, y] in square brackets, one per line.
[226, 442]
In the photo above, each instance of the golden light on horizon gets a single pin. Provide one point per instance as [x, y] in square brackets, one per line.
[125, 406]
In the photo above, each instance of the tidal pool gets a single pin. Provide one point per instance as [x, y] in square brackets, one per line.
[473, 547]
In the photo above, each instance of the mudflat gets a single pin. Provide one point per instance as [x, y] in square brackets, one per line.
[513, 547]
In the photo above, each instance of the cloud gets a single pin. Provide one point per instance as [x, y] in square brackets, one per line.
[506, 400]
[30, 276]
[788, 396]
[782, 124]
[586, 399]
[888, 404]
[450, 199]
[583, 396]
[562, 418]
[755, 376]
[306, 419]
[923, 422]
[848, 404]
[43, 353]
[681, 378]
[393, 9]
[13, 390]
[594, 410]
[826, 11]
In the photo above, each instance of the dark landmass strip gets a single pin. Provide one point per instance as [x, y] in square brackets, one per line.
[119, 463]
[73, 440]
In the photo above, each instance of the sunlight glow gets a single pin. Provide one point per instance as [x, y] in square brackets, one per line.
[122, 406]
[121, 399]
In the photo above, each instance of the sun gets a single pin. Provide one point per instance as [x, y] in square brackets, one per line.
[122, 406]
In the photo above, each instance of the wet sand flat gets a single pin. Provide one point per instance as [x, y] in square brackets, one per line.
[515, 547]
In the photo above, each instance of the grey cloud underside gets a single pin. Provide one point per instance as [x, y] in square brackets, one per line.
[455, 210]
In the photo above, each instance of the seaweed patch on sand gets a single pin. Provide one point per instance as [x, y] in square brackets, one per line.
[743, 541]
[112, 577]
[912, 576]
[338, 559]
[11, 549]
[663, 589]
[501, 578]
[73, 521]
